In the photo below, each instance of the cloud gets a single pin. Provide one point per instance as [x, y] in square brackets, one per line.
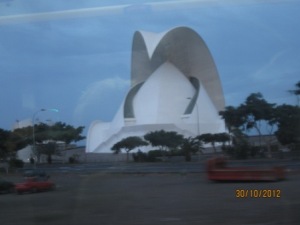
[142, 7]
[269, 66]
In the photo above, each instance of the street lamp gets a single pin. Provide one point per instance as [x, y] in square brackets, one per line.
[33, 121]
[198, 126]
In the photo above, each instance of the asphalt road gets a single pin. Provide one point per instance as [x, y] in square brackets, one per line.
[153, 198]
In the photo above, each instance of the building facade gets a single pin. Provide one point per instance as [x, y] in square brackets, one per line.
[175, 86]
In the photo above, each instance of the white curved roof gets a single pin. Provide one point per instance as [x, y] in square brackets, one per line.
[185, 49]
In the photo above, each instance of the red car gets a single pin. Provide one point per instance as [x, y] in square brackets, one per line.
[34, 184]
[217, 170]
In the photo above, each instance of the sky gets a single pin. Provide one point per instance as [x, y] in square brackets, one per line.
[75, 55]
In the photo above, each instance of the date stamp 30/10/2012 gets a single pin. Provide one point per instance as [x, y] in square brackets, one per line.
[258, 193]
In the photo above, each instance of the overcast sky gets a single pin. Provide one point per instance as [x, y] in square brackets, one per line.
[75, 55]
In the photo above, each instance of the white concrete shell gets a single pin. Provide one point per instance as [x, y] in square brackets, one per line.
[174, 86]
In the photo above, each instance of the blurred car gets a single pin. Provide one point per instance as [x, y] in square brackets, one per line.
[217, 170]
[34, 184]
[6, 186]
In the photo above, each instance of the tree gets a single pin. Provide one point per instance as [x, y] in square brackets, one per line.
[4, 136]
[50, 148]
[212, 139]
[164, 139]
[296, 92]
[288, 122]
[58, 132]
[46, 135]
[256, 112]
[128, 144]
[190, 146]
[222, 138]
[241, 145]
[11, 141]
[233, 118]
[208, 138]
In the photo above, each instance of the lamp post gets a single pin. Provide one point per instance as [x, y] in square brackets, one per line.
[198, 128]
[198, 125]
[33, 121]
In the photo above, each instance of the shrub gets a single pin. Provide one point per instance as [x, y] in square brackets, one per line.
[140, 157]
[72, 160]
[31, 160]
[151, 156]
[238, 151]
[155, 153]
[16, 163]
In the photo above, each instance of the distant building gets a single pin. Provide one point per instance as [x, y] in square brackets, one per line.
[27, 152]
[175, 86]
[22, 123]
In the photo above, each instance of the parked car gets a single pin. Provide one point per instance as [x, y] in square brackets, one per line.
[34, 184]
[6, 186]
[36, 173]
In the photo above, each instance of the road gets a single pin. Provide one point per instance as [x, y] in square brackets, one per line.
[153, 198]
[154, 193]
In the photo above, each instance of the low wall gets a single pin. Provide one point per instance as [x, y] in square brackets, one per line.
[81, 156]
